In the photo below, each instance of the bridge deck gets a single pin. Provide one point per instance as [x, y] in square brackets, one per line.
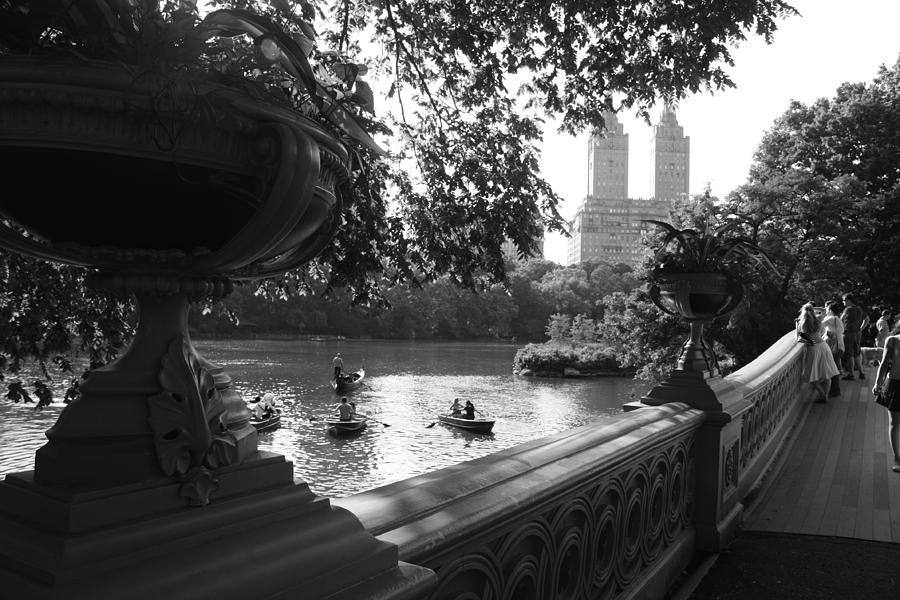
[835, 477]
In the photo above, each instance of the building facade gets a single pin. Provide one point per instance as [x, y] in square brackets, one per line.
[608, 224]
[670, 154]
[608, 161]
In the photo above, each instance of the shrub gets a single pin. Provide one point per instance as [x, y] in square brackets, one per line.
[555, 358]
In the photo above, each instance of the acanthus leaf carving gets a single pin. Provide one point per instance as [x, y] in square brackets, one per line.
[188, 421]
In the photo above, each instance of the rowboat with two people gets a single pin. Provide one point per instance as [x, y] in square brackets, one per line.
[476, 425]
[267, 423]
[264, 412]
[464, 418]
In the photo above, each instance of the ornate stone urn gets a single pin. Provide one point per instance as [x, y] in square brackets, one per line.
[170, 189]
[697, 298]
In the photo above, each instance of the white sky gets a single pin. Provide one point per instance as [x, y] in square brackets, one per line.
[830, 43]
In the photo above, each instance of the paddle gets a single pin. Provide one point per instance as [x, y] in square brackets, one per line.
[430, 425]
[376, 420]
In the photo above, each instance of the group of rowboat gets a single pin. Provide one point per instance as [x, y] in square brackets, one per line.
[266, 416]
[356, 425]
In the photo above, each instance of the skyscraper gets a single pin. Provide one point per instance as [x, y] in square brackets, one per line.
[608, 160]
[670, 154]
[607, 224]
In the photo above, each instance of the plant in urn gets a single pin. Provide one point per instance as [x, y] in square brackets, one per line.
[691, 278]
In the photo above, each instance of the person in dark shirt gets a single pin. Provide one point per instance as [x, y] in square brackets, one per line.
[854, 320]
[470, 410]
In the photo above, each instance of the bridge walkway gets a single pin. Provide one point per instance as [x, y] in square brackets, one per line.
[835, 478]
[826, 523]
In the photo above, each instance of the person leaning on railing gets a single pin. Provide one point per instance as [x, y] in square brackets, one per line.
[887, 382]
[818, 363]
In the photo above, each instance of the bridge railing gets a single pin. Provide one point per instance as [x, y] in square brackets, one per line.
[615, 508]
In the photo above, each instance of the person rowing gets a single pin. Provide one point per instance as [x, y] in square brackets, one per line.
[456, 408]
[345, 410]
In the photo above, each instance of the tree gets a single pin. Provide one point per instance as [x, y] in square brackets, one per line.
[463, 173]
[641, 335]
[559, 327]
[606, 279]
[834, 165]
[583, 330]
[44, 314]
[568, 290]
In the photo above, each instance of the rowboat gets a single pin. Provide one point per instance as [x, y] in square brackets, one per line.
[268, 423]
[349, 382]
[338, 427]
[477, 425]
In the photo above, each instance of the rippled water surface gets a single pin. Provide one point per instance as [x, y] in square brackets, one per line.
[407, 385]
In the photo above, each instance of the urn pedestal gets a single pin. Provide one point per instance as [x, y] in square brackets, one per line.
[151, 484]
[699, 298]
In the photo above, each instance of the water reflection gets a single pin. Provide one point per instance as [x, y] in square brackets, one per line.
[408, 384]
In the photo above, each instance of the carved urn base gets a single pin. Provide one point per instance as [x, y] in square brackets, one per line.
[265, 537]
[698, 389]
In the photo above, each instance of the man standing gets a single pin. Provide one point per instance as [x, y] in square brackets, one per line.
[854, 320]
[338, 364]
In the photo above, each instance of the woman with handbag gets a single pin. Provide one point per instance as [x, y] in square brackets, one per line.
[887, 389]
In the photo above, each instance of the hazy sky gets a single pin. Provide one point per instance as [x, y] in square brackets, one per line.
[830, 43]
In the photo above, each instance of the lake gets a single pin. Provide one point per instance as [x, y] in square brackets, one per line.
[407, 385]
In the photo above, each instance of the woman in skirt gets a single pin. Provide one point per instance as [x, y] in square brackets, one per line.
[818, 363]
[889, 369]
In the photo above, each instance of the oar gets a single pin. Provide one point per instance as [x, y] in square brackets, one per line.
[376, 420]
[430, 425]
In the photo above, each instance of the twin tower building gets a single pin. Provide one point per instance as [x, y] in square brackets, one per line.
[607, 224]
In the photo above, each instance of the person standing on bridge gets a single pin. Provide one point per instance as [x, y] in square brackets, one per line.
[818, 363]
[887, 379]
[855, 320]
[834, 337]
[883, 328]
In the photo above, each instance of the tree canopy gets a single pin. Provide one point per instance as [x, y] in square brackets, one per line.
[474, 81]
[824, 191]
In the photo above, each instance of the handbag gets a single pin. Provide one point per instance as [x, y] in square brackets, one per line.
[804, 338]
[831, 340]
[886, 396]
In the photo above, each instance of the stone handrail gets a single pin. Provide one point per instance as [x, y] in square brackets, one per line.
[618, 507]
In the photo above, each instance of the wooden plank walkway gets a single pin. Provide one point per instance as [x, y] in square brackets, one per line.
[835, 477]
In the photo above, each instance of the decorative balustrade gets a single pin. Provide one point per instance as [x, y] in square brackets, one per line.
[616, 508]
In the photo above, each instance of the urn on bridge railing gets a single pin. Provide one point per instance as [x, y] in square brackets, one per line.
[170, 157]
[694, 281]
[697, 298]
